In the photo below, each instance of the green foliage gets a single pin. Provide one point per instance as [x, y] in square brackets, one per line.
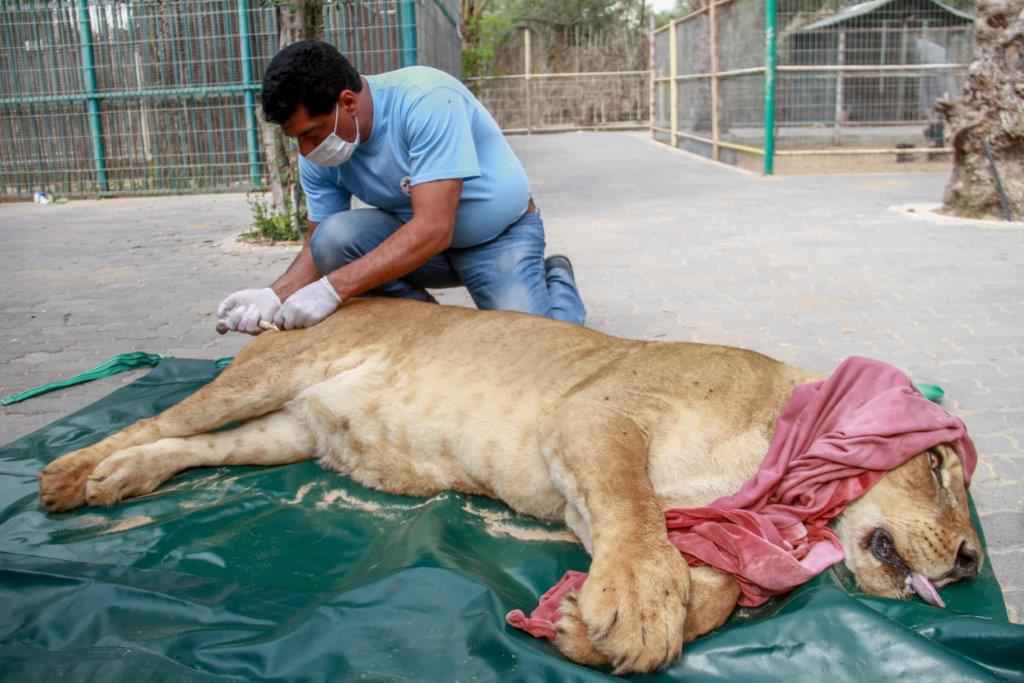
[680, 9]
[489, 26]
[271, 225]
[489, 30]
[565, 15]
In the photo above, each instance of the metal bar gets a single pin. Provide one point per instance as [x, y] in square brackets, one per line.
[89, 71]
[770, 63]
[638, 125]
[721, 143]
[565, 74]
[377, 55]
[713, 47]
[741, 148]
[901, 111]
[194, 91]
[692, 15]
[885, 54]
[650, 67]
[871, 67]
[251, 141]
[447, 14]
[527, 68]
[673, 60]
[840, 60]
[866, 150]
[720, 74]
[407, 14]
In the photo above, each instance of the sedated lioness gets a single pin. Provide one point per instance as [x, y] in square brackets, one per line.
[559, 422]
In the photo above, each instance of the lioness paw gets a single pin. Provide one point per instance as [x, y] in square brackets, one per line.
[634, 607]
[571, 637]
[62, 482]
[123, 475]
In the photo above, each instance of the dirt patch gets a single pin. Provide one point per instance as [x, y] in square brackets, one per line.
[236, 245]
[301, 493]
[257, 240]
[500, 523]
[129, 523]
[934, 213]
[343, 498]
[843, 164]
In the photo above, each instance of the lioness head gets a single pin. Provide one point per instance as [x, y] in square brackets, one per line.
[912, 531]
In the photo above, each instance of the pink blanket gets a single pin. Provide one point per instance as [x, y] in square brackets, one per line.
[832, 442]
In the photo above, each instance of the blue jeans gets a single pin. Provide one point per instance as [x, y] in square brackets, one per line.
[506, 273]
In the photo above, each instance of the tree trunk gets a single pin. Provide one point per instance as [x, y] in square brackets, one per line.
[471, 12]
[296, 20]
[986, 123]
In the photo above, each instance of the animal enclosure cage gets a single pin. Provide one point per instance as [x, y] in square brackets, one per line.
[153, 96]
[545, 95]
[796, 88]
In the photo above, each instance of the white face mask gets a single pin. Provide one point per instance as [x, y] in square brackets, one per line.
[334, 151]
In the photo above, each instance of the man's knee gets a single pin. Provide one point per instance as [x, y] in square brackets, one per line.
[516, 296]
[335, 242]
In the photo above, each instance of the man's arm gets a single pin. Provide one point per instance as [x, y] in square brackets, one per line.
[301, 272]
[427, 234]
[324, 197]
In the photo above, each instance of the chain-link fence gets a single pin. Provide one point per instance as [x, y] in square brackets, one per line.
[847, 89]
[616, 100]
[150, 96]
[536, 100]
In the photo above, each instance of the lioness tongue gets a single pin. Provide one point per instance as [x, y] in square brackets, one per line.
[920, 584]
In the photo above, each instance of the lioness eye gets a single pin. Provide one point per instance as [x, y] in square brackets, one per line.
[935, 460]
[883, 548]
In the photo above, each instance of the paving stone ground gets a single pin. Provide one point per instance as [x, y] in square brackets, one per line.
[666, 246]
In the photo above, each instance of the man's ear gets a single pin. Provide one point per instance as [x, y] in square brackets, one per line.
[348, 101]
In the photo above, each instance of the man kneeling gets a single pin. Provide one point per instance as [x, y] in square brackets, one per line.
[453, 201]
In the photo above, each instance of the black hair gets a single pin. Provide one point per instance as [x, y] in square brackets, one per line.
[311, 73]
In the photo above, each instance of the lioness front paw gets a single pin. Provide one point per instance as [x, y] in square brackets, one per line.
[634, 606]
[62, 482]
[123, 475]
[571, 637]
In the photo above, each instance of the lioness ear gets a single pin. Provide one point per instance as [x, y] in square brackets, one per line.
[952, 469]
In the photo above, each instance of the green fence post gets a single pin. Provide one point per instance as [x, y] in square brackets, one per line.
[89, 72]
[407, 15]
[250, 96]
[770, 58]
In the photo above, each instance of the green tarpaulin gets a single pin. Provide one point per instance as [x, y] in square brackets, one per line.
[296, 573]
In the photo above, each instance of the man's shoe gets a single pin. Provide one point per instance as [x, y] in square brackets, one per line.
[559, 261]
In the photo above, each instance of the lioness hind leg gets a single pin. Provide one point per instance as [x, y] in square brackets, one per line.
[241, 392]
[713, 596]
[275, 439]
[633, 605]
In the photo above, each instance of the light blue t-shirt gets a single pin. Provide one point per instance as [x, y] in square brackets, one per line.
[426, 126]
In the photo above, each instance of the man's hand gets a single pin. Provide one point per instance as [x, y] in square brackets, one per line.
[308, 306]
[243, 311]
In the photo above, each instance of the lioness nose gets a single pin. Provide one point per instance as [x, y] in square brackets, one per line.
[966, 561]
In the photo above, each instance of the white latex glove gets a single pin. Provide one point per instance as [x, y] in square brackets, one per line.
[308, 306]
[243, 311]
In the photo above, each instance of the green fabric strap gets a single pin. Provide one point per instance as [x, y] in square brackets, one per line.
[932, 392]
[121, 363]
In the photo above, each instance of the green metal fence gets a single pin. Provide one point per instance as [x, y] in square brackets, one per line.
[852, 88]
[101, 97]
